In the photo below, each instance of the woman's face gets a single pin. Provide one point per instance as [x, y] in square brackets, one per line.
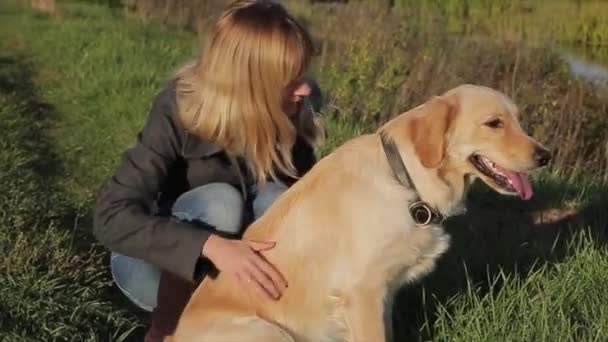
[301, 89]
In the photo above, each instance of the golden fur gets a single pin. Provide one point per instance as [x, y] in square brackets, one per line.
[345, 239]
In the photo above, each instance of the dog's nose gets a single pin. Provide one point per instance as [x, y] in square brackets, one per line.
[542, 156]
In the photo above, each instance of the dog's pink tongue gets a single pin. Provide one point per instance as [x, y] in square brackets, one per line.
[520, 182]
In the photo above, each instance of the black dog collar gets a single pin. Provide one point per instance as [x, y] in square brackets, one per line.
[422, 213]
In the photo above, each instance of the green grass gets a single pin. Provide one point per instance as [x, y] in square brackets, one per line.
[75, 89]
[396, 60]
[102, 72]
[53, 281]
[502, 253]
[563, 302]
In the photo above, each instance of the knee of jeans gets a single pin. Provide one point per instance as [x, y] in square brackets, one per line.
[217, 204]
[137, 279]
[265, 196]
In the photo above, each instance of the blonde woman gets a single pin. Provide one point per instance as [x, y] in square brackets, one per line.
[228, 134]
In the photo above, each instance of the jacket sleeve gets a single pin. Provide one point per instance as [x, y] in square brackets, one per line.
[124, 220]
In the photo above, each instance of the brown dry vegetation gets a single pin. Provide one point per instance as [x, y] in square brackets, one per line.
[374, 64]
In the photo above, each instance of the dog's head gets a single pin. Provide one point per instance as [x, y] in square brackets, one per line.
[474, 131]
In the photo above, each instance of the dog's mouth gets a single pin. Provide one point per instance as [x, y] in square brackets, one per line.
[506, 180]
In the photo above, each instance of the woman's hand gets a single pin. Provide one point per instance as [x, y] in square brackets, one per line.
[240, 259]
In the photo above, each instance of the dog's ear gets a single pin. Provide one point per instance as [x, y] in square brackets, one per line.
[428, 129]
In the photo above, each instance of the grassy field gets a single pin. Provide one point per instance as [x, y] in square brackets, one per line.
[393, 61]
[75, 88]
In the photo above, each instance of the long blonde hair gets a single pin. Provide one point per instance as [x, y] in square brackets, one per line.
[234, 94]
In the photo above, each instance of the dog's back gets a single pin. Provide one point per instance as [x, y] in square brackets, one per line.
[341, 227]
[345, 237]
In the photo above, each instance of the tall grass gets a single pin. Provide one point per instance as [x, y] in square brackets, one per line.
[53, 282]
[560, 303]
[104, 73]
[579, 24]
[478, 291]
[375, 64]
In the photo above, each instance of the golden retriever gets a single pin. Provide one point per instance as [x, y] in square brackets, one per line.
[345, 237]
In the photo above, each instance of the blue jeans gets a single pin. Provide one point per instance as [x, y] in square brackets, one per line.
[218, 204]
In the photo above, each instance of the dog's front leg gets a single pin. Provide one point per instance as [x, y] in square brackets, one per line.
[365, 312]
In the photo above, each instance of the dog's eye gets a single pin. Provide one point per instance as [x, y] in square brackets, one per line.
[495, 123]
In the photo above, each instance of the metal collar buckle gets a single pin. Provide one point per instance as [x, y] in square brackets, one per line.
[422, 214]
